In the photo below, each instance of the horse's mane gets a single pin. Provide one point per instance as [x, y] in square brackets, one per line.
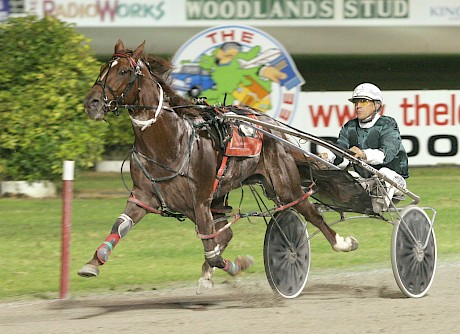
[161, 69]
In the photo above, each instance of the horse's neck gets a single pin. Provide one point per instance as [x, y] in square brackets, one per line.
[167, 134]
[163, 138]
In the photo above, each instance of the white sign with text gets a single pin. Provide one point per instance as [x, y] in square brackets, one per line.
[429, 121]
[193, 13]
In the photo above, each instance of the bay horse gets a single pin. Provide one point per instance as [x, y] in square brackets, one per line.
[177, 157]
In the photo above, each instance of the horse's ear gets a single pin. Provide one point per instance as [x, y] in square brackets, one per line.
[119, 46]
[139, 51]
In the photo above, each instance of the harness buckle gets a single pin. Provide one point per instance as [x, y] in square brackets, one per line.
[112, 105]
[138, 71]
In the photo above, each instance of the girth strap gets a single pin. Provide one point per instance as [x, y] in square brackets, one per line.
[148, 208]
[164, 210]
[154, 181]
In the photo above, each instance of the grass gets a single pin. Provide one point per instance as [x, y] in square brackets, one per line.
[160, 251]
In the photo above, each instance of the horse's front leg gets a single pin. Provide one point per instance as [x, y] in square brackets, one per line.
[124, 223]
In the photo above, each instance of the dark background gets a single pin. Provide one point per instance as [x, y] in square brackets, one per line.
[389, 72]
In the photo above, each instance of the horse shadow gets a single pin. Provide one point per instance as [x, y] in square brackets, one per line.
[240, 299]
[105, 306]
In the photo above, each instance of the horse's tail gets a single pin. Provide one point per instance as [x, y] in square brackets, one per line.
[305, 172]
[302, 162]
[307, 167]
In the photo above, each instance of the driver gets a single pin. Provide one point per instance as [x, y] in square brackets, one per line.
[372, 137]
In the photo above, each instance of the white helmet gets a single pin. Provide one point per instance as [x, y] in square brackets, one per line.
[367, 91]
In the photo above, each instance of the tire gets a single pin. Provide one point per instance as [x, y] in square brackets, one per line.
[287, 253]
[413, 266]
[194, 92]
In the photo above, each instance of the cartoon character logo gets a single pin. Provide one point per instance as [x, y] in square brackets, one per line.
[238, 65]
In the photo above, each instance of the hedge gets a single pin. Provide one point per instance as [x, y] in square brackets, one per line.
[47, 68]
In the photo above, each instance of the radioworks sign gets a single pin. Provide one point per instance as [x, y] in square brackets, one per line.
[106, 12]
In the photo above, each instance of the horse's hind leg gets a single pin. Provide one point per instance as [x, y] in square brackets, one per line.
[285, 178]
[120, 228]
[338, 243]
[205, 282]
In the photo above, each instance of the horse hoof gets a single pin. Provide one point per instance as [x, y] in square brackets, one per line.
[89, 270]
[354, 244]
[204, 285]
[347, 244]
[245, 261]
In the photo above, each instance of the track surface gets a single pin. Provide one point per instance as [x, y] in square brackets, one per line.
[332, 302]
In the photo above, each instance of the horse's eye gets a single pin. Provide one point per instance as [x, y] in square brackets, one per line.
[123, 72]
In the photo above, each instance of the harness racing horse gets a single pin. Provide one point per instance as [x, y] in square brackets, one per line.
[176, 158]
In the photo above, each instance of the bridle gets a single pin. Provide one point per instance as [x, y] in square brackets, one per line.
[117, 102]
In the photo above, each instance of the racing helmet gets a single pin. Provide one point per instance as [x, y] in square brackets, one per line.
[367, 91]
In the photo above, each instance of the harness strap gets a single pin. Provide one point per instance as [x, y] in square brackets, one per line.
[113, 104]
[165, 212]
[297, 201]
[220, 173]
[146, 173]
[219, 231]
[238, 216]
[148, 208]
[145, 124]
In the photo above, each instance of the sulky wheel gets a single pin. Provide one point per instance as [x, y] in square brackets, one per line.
[413, 252]
[287, 253]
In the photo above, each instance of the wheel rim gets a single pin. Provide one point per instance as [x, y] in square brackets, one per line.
[287, 254]
[413, 264]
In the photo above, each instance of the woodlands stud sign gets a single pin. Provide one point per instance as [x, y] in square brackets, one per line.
[292, 10]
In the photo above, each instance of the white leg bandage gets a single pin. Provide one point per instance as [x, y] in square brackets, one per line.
[213, 253]
[125, 226]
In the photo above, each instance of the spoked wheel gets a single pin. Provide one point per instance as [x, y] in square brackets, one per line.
[287, 253]
[413, 252]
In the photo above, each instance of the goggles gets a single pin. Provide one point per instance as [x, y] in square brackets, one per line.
[363, 102]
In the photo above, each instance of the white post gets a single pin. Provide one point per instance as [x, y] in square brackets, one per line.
[67, 195]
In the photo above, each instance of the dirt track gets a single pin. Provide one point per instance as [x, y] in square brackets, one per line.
[351, 302]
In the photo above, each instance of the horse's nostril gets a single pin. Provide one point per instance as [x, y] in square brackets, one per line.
[94, 103]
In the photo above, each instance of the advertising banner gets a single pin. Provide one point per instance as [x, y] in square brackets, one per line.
[205, 13]
[429, 121]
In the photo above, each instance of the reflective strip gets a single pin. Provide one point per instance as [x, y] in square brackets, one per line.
[108, 244]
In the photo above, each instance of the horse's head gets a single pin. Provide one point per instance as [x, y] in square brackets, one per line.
[134, 82]
[118, 83]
